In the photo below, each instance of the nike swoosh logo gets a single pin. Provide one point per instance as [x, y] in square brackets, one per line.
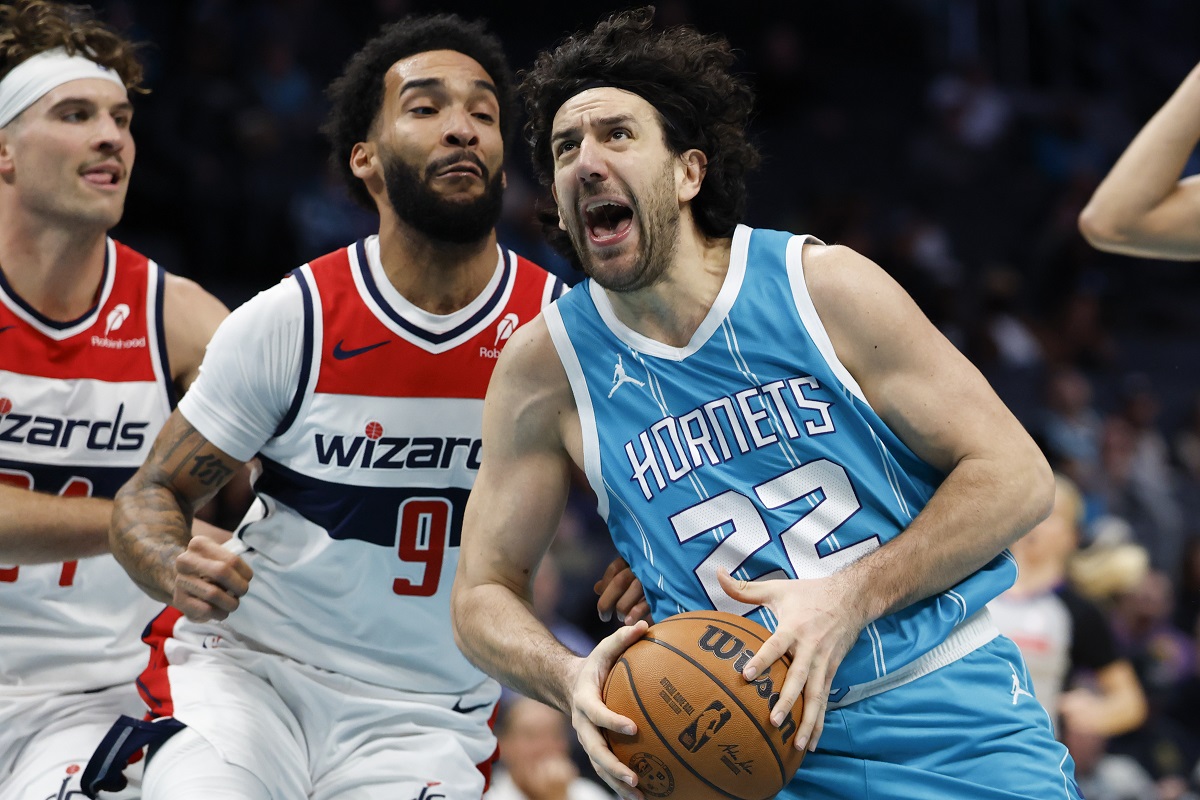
[468, 709]
[6, 327]
[342, 355]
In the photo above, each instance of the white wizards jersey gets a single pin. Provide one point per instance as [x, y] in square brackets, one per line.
[367, 460]
[80, 405]
[751, 449]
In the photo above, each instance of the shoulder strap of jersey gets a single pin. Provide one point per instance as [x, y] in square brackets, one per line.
[308, 357]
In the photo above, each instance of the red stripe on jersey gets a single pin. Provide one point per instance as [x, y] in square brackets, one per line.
[376, 362]
[116, 347]
[152, 684]
[485, 767]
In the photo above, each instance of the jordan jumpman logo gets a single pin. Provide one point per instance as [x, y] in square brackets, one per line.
[620, 378]
[1017, 691]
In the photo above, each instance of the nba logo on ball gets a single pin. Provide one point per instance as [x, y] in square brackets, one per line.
[708, 722]
[703, 731]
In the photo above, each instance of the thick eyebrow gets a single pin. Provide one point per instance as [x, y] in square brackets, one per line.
[603, 122]
[77, 101]
[438, 83]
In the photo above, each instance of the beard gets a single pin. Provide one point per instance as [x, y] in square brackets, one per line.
[449, 221]
[657, 221]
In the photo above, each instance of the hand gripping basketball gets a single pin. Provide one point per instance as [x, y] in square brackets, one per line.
[703, 731]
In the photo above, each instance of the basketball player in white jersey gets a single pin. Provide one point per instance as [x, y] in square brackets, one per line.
[96, 342]
[314, 655]
[758, 403]
[1145, 206]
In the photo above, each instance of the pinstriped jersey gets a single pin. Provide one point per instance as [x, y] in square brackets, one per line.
[354, 541]
[80, 404]
[752, 449]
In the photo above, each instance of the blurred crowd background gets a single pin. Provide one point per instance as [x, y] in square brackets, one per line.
[952, 141]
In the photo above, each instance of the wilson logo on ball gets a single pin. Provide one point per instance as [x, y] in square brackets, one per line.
[727, 647]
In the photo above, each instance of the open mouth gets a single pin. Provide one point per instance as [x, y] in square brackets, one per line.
[608, 221]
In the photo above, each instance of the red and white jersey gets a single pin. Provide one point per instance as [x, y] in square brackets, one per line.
[80, 405]
[366, 414]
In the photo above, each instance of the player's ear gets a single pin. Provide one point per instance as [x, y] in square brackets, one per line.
[693, 165]
[6, 161]
[363, 159]
[366, 166]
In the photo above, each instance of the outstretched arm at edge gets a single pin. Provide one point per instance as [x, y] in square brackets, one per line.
[1142, 207]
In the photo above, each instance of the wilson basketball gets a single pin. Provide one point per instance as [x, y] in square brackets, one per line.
[703, 730]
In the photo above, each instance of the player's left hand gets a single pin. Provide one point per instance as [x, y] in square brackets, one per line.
[619, 588]
[818, 624]
[589, 714]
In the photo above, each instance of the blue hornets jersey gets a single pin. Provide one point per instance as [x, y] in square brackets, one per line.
[752, 449]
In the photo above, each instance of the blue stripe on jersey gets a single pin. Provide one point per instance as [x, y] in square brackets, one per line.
[744, 451]
[434, 338]
[347, 511]
[161, 333]
[306, 356]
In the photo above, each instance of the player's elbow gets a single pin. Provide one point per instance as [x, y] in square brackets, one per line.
[463, 604]
[1037, 485]
[1104, 230]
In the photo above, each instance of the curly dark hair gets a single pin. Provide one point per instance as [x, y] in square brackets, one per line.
[684, 74]
[29, 27]
[356, 97]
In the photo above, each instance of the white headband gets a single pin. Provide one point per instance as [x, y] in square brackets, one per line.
[30, 80]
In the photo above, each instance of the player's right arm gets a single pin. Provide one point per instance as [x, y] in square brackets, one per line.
[531, 435]
[39, 528]
[151, 525]
[246, 384]
[1142, 207]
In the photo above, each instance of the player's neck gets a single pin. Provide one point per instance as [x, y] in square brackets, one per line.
[435, 276]
[673, 308]
[55, 270]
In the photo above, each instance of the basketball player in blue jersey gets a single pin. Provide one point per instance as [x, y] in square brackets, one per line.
[1143, 207]
[313, 655]
[772, 428]
[96, 341]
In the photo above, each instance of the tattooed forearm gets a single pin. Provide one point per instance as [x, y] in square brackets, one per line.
[210, 470]
[149, 530]
[152, 514]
